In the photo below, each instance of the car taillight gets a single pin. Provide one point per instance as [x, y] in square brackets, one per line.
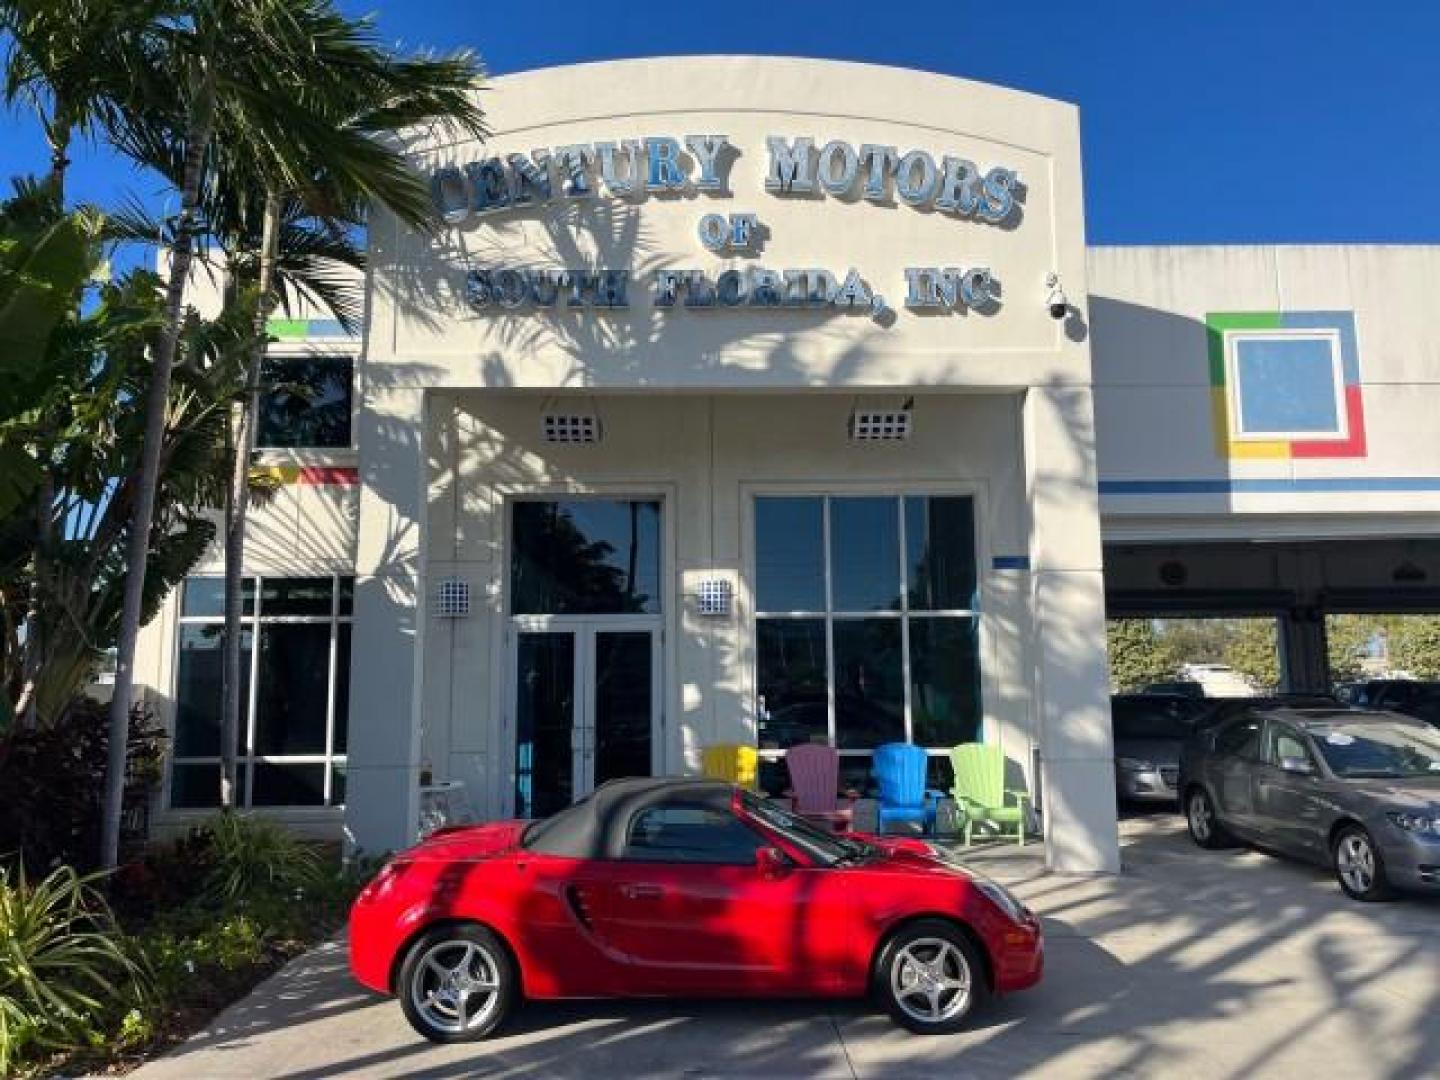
[382, 882]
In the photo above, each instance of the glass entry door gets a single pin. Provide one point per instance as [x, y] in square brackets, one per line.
[585, 708]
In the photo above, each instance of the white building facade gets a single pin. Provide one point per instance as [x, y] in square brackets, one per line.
[754, 401]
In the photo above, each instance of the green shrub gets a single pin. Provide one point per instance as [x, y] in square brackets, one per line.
[255, 859]
[165, 877]
[52, 780]
[64, 966]
[212, 913]
[184, 956]
[136, 1029]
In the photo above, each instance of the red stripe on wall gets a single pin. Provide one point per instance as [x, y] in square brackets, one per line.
[1354, 446]
[329, 474]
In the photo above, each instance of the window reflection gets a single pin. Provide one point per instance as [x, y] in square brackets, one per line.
[840, 671]
[293, 689]
[865, 554]
[198, 683]
[305, 402]
[794, 702]
[940, 553]
[944, 681]
[869, 683]
[303, 664]
[585, 557]
[789, 555]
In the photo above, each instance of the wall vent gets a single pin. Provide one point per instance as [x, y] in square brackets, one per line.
[452, 599]
[715, 594]
[876, 425]
[570, 428]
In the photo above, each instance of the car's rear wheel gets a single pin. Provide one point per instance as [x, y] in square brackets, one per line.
[1203, 822]
[1359, 867]
[457, 983]
[930, 977]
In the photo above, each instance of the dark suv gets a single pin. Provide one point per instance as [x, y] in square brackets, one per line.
[1413, 697]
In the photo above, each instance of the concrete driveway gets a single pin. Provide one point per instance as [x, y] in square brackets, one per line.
[1192, 963]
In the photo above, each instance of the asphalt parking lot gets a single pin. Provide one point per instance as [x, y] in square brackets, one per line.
[1191, 963]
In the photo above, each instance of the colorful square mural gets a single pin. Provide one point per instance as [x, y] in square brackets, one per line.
[1285, 384]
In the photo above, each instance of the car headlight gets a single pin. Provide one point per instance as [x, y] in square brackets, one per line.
[1424, 824]
[1130, 764]
[1000, 896]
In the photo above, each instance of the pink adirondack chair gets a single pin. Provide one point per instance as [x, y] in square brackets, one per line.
[815, 780]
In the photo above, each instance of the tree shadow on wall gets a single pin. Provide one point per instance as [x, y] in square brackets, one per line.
[640, 345]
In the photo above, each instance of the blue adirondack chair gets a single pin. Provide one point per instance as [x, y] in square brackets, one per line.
[899, 769]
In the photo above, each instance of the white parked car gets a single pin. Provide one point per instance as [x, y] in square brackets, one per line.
[1219, 680]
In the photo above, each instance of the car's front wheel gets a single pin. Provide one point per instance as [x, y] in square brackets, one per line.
[1358, 865]
[456, 983]
[1203, 822]
[930, 977]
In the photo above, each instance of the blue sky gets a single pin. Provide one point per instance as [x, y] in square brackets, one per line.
[1203, 121]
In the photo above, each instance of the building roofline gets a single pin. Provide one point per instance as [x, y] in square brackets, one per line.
[775, 59]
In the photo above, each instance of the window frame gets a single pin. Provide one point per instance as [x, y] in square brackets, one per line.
[246, 757]
[291, 352]
[1235, 391]
[898, 493]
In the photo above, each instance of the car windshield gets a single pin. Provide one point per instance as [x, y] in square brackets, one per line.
[824, 847]
[1385, 749]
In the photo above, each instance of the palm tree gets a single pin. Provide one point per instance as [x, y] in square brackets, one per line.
[297, 96]
[330, 182]
[286, 207]
[49, 257]
[95, 469]
[270, 79]
[84, 67]
[73, 382]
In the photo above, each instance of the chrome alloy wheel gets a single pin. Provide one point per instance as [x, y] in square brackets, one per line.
[1355, 862]
[930, 979]
[456, 986]
[1201, 818]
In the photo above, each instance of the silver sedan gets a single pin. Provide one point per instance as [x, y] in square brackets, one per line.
[1358, 791]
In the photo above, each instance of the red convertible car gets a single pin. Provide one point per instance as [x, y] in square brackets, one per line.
[655, 887]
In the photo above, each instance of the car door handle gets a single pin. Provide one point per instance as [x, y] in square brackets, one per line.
[640, 892]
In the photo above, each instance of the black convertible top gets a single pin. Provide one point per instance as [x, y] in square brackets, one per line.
[596, 826]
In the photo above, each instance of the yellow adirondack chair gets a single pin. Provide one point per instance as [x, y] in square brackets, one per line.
[731, 761]
[980, 792]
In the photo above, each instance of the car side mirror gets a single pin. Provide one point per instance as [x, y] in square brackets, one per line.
[1296, 765]
[772, 863]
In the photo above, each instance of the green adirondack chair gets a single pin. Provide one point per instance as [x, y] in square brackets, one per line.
[980, 792]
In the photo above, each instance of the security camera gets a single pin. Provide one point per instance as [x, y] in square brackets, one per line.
[1059, 303]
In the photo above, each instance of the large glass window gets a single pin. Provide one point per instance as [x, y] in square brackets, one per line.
[305, 401]
[790, 565]
[585, 557]
[867, 624]
[294, 692]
